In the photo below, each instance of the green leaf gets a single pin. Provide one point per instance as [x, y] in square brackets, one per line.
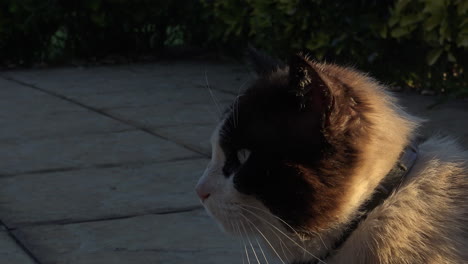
[432, 22]
[464, 22]
[444, 31]
[393, 20]
[399, 32]
[400, 5]
[462, 40]
[435, 6]
[450, 57]
[462, 7]
[409, 19]
[383, 32]
[433, 56]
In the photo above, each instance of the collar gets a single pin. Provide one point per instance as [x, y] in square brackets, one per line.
[391, 182]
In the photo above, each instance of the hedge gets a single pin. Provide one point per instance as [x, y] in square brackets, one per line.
[34, 30]
[420, 44]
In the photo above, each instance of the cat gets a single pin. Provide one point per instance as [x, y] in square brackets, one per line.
[318, 164]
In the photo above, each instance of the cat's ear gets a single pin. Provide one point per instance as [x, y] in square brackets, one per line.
[308, 87]
[262, 63]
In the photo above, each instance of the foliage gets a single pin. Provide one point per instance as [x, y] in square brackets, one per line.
[33, 30]
[436, 30]
[417, 43]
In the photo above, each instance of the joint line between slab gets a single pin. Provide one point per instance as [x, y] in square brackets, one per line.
[101, 112]
[20, 244]
[110, 218]
[98, 166]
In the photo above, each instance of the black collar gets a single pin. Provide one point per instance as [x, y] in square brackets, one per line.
[390, 183]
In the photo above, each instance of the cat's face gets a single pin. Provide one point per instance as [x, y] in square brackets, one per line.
[270, 166]
[255, 150]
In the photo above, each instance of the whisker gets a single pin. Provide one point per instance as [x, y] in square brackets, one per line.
[236, 231]
[261, 249]
[281, 242]
[281, 232]
[232, 117]
[282, 248]
[264, 237]
[250, 242]
[270, 214]
[239, 238]
[243, 241]
[288, 225]
[259, 244]
[281, 245]
[237, 102]
[236, 112]
[212, 95]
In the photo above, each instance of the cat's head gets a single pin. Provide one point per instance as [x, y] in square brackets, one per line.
[282, 151]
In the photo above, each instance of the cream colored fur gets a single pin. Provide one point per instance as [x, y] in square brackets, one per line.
[424, 221]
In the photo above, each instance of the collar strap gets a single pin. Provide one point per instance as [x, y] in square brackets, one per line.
[391, 182]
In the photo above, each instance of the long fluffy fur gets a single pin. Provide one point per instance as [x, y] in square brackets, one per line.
[424, 220]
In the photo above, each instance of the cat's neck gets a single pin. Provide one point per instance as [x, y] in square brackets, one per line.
[393, 132]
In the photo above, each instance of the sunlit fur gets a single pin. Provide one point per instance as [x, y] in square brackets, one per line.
[423, 221]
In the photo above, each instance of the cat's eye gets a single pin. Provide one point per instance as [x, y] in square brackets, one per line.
[243, 155]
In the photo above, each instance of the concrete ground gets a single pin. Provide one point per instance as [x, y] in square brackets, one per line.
[99, 164]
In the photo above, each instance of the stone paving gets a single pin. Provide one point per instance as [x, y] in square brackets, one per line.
[99, 164]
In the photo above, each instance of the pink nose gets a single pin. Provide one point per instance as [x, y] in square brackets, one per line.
[202, 193]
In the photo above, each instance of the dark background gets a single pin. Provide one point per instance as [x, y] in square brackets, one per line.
[410, 44]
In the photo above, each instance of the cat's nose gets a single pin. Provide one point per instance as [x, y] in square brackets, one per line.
[203, 194]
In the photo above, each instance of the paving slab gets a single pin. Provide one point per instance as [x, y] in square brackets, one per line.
[10, 252]
[159, 94]
[447, 119]
[37, 125]
[195, 136]
[189, 237]
[82, 81]
[15, 97]
[77, 80]
[104, 202]
[87, 151]
[169, 114]
[225, 76]
[93, 194]
[27, 114]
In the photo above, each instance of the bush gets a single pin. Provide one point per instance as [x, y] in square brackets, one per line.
[420, 43]
[32, 30]
[434, 32]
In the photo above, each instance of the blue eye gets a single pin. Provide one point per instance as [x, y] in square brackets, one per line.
[243, 155]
